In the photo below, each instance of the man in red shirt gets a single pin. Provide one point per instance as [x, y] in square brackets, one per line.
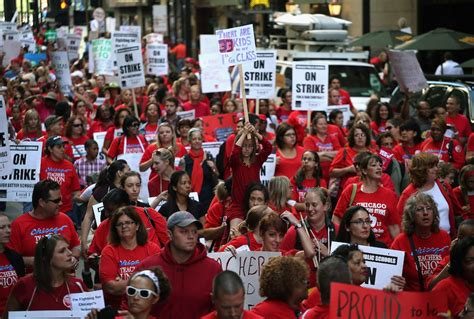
[195, 103]
[345, 99]
[283, 112]
[55, 127]
[56, 168]
[459, 122]
[228, 296]
[45, 219]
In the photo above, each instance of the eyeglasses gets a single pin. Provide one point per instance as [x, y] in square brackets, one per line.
[77, 125]
[308, 159]
[121, 224]
[142, 293]
[290, 134]
[424, 209]
[361, 222]
[56, 201]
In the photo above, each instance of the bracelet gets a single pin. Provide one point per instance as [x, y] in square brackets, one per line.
[297, 226]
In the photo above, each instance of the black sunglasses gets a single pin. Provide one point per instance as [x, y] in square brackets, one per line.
[56, 201]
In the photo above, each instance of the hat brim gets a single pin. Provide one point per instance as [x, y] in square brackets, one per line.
[187, 222]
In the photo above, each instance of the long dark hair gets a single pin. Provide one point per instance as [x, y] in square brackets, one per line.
[317, 173]
[107, 174]
[142, 235]
[174, 180]
[343, 235]
[377, 118]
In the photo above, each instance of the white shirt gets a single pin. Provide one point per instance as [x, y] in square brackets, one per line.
[443, 207]
[449, 68]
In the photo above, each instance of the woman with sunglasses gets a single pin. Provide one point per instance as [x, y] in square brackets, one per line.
[128, 246]
[76, 135]
[130, 141]
[50, 285]
[117, 129]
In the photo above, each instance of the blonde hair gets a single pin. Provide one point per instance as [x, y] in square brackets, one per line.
[279, 189]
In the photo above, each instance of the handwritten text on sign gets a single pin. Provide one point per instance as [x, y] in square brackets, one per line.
[237, 45]
[349, 301]
[248, 265]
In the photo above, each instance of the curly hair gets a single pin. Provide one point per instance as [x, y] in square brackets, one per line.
[458, 254]
[378, 119]
[70, 125]
[420, 164]
[409, 211]
[364, 129]
[280, 276]
[464, 175]
[142, 236]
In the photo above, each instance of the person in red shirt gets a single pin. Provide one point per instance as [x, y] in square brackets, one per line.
[115, 130]
[379, 201]
[464, 192]
[383, 112]
[228, 296]
[336, 126]
[181, 89]
[56, 168]
[152, 115]
[410, 142]
[431, 244]
[45, 219]
[55, 127]
[76, 135]
[179, 50]
[284, 111]
[345, 99]
[31, 126]
[282, 300]
[127, 249]
[298, 120]
[163, 165]
[130, 141]
[195, 103]
[288, 153]
[459, 122]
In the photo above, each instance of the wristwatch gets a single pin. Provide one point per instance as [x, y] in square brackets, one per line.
[298, 226]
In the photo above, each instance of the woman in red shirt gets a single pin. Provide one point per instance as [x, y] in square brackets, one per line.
[130, 141]
[163, 165]
[410, 142]
[320, 141]
[50, 285]
[464, 193]
[128, 246]
[103, 120]
[288, 152]
[31, 126]
[383, 112]
[116, 130]
[76, 135]
[152, 115]
[279, 189]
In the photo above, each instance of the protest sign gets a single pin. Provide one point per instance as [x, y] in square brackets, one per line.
[5, 154]
[382, 264]
[220, 126]
[236, 45]
[121, 39]
[18, 185]
[130, 65]
[133, 161]
[73, 43]
[62, 31]
[259, 76]
[12, 35]
[209, 147]
[57, 314]
[408, 71]
[97, 210]
[11, 49]
[102, 52]
[350, 301]
[310, 86]
[345, 109]
[28, 41]
[190, 115]
[7, 26]
[268, 169]
[154, 38]
[82, 303]
[35, 58]
[132, 29]
[215, 77]
[60, 63]
[157, 55]
[160, 18]
[208, 44]
[248, 265]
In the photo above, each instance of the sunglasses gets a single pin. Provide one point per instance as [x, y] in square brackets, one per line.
[56, 201]
[142, 293]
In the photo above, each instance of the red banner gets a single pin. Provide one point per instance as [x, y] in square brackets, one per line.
[349, 301]
[220, 126]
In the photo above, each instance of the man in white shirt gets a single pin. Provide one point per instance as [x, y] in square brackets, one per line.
[449, 67]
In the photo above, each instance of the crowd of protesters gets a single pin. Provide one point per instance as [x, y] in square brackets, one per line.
[377, 180]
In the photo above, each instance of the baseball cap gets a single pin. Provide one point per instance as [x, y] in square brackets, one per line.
[182, 219]
[52, 119]
[54, 140]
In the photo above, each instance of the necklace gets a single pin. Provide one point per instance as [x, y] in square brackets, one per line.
[58, 295]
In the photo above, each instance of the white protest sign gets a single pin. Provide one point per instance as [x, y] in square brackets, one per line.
[160, 18]
[248, 265]
[102, 52]
[268, 169]
[310, 86]
[5, 154]
[91, 66]
[157, 56]
[154, 38]
[209, 147]
[215, 77]
[121, 39]
[28, 41]
[60, 63]
[99, 137]
[62, 32]
[190, 115]
[408, 71]
[12, 35]
[208, 43]
[133, 161]
[12, 50]
[130, 65]
[82, 303]
[97, 210]
[132, 28]
[18, 185]
[57, 314]
[382, 264]
[73, 42]
[110, 24]
[259, 76]
[237, 45]
[345, 109]
[6, 26]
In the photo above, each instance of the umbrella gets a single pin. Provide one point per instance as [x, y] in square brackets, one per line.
[440, 39]
[468, 64]
[381, 39]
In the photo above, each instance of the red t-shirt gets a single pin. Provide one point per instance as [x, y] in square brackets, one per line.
[8, 279]
[382, 206]
[157, 185]
[377, 129]
[314, 298]
[77, 145]
[201, 108]
[274, 309]
[99, 126]
[403, 153]
[245, 315]
[299, 119]
[434, 148]
[135, 144]
[100, 238]
[112, 133]
[65, 175]
[461, 123]
[314, 143]
[288, 166]
[242, 240]
[30, 135]
[457, 291]
[150, 132]
[116, 261]
[283, 114]
[58, 299]
[430, 252]
[337, 133]
[470, 143]
[470, 201]
[385, 180]
[298, 194]
[344, 158]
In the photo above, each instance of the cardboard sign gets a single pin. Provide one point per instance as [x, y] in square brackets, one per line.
[102, 52]
[160, 18]
[157, 56]
[259, 76]
[345, 109]
[12, 35]
[215, 77]
[6, 26]
[5, 154]
[408, 71]
[122, 39]
[349, 301]
[130, 65]
[83, 303]
[237, 45]
[220, 126]
[97, 210]
[60, 63]
[249, 266]
[73, 43]
[18, 185]
[381, 263]
[310, 86]
[268, 169]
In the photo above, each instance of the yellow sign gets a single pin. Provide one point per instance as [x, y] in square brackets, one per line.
[468, 40]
